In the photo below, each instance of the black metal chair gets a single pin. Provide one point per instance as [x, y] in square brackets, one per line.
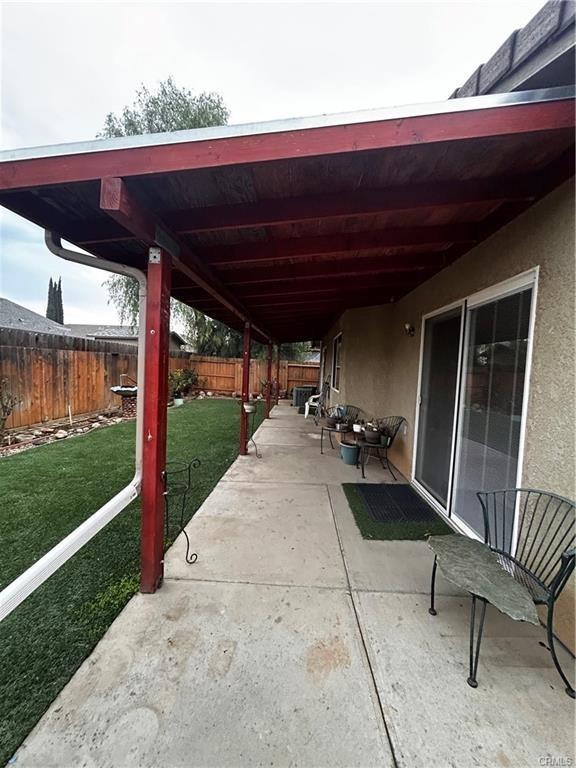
[347, 413]
[389, 426]
[533, 534]
[346, 416]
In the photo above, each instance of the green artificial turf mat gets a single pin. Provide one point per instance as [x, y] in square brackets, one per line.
[395, 530]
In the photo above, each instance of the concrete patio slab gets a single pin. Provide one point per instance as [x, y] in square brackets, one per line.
[517, 717]
[205, 674]
[388, 566]
[284, 464]
[263, 532]
[307, 437]
[295, 642]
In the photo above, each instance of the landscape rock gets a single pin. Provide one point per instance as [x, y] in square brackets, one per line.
[37, 433]
[95, 425]
[22, 438]
[209, 394]
[61, 434]
[46, 430]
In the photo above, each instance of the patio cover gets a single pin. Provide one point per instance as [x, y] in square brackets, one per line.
[288, 223]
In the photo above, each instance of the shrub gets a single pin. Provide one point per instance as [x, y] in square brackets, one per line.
[181, 382]
[190, 377]
[8, 402]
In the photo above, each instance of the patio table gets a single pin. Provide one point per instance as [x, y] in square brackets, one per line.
[339, 430]
[474, 567]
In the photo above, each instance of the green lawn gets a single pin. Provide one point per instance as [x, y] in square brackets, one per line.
[46, 493]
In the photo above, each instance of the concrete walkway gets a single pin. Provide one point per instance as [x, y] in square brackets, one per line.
[294, 642]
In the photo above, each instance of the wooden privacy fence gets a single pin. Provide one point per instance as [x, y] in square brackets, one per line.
[54, 375]
[224, 375]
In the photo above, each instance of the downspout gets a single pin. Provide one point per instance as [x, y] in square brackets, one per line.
[23, 586]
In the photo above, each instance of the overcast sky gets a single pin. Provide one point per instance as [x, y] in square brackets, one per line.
[65, 65]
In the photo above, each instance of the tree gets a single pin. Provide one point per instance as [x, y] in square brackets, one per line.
[50, 307]
[171, 108]
[55, 308]
[59, 304]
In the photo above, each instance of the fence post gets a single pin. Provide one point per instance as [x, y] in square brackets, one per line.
[245, 390]
[155, 420]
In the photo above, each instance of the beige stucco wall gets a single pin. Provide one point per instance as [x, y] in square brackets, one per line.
[380, 362]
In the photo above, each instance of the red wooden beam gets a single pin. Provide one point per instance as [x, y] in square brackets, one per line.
[361, 202]
[341, 285]
[155, 405]
[311, 142]
[117, 201]
[277, 373]
[269, 383]
[244, 417]
[301, 248]
[120, 205]
[396, 265]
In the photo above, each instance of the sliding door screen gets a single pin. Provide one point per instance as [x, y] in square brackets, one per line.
[491, 403]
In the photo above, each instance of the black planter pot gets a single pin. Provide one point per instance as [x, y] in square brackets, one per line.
[372, 437]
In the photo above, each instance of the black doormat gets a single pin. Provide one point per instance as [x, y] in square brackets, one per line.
[387, 511]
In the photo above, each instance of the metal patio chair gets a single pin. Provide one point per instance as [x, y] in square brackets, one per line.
[318, 403]
[543, 525]
[348, 413]
[389, 427]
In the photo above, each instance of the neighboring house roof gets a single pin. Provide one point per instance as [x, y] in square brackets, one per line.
[540, 55]
[114, 332]
[14, 315]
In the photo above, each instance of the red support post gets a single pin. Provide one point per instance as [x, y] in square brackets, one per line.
[277, 373]
[155, 420]
[269, 383]
[245, 389]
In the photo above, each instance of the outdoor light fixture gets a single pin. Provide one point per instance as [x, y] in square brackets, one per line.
[409, 330]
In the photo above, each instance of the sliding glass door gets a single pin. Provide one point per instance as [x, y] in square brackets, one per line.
[472, 399]
[492, 400]
[438, 385]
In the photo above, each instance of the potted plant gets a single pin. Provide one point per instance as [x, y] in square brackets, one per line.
[372, 434]
[176, 386]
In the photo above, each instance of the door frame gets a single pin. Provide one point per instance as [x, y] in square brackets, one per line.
[523, 280]
[516, 284]
[461, 304]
